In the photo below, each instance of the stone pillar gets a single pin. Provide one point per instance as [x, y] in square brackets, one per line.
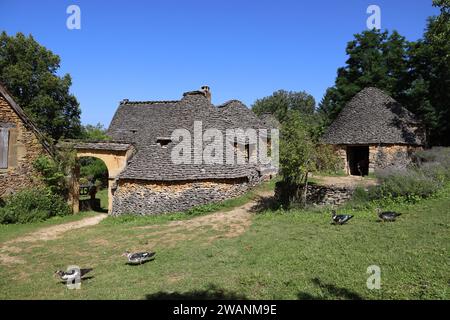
[110, 197]
[373, 155]
[341, 151]
[74, 189]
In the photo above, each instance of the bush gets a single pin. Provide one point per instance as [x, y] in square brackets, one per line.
[327, 161]
[409, 184]
[429, 173]
[51, 174]
[31, 205]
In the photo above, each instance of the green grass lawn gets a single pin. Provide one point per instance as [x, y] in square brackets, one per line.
[282, 255]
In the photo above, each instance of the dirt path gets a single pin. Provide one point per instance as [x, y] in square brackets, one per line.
[44, 234]
[226, 224]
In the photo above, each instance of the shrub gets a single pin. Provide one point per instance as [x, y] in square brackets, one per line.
[327, 161]
[360, 195]
[51, 174]
[31, 205]
[429, 172]
[410, 184]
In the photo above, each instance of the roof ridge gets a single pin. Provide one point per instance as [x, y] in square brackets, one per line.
[226, 103]
[128, 102]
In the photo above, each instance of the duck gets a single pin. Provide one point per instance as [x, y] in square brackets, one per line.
[340, 218]
[72, 274]
[388, 215]
[138, 257]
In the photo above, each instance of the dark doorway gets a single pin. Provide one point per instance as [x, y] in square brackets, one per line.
[358, 160]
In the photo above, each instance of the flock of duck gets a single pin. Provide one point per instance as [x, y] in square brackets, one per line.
[134, 258]
[137, 258]
[340, 219]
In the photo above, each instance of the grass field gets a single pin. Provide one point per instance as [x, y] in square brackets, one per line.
[290, 255]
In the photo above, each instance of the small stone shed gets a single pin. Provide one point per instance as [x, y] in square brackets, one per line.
[145, 179]
[21, 143]
[374, 131]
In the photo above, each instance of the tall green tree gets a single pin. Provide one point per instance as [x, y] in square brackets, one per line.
[429, 94]
[376, 59]
[29, 71]
[417, 74]
[281, 102]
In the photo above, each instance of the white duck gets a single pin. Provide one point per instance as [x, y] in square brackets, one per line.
[138, 257]
[72, 274]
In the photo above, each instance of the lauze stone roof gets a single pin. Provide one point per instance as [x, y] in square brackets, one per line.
[373, 117]
[144, 123]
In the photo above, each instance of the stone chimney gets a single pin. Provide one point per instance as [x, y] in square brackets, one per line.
[206, 92]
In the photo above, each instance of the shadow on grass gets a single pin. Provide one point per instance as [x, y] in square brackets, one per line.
[211, 293]
[264, 204]
[139, 264]
[330, 290]
[82, 279]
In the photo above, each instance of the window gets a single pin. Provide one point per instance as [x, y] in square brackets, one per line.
[4, 137]
[243, 148]
[247, 151]
[163, 141]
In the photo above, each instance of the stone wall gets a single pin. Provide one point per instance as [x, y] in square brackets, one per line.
[149, 197]
[381, 156]
[328, 195]
[391, 156]
[341, 152]
[24, 148]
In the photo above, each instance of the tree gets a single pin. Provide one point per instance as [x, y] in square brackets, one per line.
[94, 132]
[29, 71]
[429, 94]
[281, 102]
[416, 74]
[376, 59]
[297, 157]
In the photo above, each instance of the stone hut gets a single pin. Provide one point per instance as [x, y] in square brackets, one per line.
[374, 131]
[20, 144]
[151, 182]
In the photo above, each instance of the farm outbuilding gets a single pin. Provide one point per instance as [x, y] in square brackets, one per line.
[21, 143]
[143, 177]
[374, 131]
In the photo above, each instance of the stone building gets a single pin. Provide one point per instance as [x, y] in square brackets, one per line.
[20, 144]
[374, 131]
[148, 181]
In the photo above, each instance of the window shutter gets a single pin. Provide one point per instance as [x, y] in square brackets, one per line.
[4, 137]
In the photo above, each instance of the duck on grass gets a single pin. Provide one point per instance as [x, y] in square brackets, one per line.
[137, 258]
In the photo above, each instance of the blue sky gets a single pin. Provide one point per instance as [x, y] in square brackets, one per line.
[158, 49]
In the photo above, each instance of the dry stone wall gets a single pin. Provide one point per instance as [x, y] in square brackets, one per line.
[328, 195]
[381, 156]
[145, 198]
[24, 148]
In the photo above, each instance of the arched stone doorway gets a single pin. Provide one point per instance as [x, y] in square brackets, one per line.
[113, 154]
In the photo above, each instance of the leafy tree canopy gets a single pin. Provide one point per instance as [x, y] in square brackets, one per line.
[94, 132]
[376, 59]
[29, 71]
[297, 151]
[281, 102]
[417, 74]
